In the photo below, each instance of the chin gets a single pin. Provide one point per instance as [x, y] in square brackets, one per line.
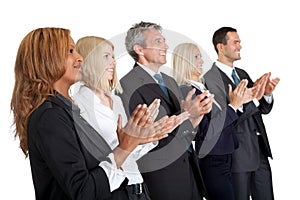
[78, 77]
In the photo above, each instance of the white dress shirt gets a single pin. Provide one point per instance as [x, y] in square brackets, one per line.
[104, 121]
[149, 71]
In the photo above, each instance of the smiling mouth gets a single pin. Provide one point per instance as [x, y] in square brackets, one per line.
[78, 67]
[163, 53]
[110, 70]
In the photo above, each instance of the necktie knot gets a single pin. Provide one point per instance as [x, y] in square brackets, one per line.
[159, 78]
[236, 80]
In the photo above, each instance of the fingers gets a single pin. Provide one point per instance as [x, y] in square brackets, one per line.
[229, 89]
[154, 114]
[180, 118]
[254, 90]
[143, 115]
[156, 138]
[154, 109]
[176, 120]
[140, 115]
[265, 79]
[270, 85]
[206, 104]
[168, 126]
[160, 124]
[274, 81]
[135, 112]
[203, 95]
[261, 79]
[119, 121]
[241, 87]
[190, 94]
[184, 116]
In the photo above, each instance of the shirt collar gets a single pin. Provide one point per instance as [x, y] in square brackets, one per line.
[149, 71]
[69, 103]
[225, 68]
[198, 85]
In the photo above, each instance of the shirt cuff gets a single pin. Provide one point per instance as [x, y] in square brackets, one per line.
[115, 176]
[269, 98]
[256, 102]
[240, 108]
[141, 150]
[232, 107]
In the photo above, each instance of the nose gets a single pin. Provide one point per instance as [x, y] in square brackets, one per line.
[79, 58]
[240, 46]
[201, 61]
[113, 61]
[166, 46]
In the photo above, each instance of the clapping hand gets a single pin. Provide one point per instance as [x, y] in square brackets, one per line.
[241, 94]
[271, 84]
[140, 129]
[198, 106]
[267, 85]
[174, 121]
[263, 80]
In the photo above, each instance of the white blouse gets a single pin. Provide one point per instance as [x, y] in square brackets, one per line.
[104, 121]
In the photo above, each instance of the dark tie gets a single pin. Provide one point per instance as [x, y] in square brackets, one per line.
[234, 77]
[161, 84]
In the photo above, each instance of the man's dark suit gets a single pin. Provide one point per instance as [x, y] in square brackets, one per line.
[169, 170]
[247, 157]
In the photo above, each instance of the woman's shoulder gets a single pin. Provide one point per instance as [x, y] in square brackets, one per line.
[53, 108]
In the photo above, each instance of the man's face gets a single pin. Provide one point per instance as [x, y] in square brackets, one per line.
[233, 47]
[156, 48]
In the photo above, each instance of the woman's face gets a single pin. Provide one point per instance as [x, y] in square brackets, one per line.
[198, 62]
[109, 62]
[73, 64]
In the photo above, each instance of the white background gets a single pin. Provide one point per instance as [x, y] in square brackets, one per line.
[269, 31]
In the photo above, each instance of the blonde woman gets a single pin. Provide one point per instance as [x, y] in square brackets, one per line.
[101, 107]
[215, 140]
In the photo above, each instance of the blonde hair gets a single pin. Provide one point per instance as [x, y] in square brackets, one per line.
[93, 74]
[40, 61]
[183, 62]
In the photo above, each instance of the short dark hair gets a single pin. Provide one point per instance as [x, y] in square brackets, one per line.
[220, 36]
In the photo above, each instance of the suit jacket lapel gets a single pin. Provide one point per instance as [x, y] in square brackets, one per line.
[147, 80]
[217, 83]
[170, 85]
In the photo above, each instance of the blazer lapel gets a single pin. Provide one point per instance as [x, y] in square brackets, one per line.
[148, 81]
[173, 95]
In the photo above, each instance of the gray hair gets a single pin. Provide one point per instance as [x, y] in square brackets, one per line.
[135, 36]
